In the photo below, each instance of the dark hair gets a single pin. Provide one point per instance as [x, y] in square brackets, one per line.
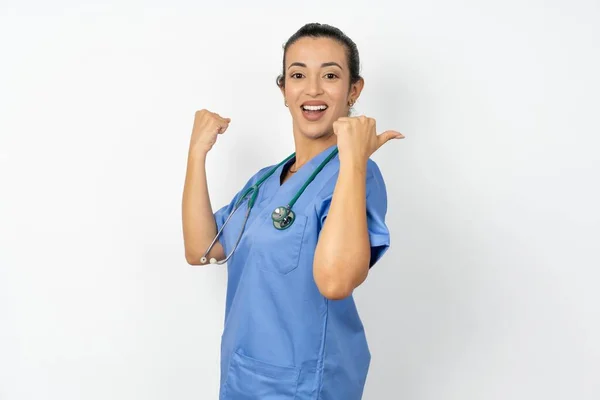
[317, 30]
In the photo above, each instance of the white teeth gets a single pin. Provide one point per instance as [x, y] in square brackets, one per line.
[315, 108]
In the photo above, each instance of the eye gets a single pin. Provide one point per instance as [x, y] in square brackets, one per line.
[331, 75]
[295, 75]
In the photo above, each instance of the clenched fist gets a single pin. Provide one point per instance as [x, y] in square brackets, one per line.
[207, 125]
[357, 138]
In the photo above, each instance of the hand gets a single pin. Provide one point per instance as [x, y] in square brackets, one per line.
[357, 138]
[207, 125]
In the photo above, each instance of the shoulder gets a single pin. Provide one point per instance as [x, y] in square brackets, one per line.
[373, 170]
[259, 174]
[374, 181]
[253, 179]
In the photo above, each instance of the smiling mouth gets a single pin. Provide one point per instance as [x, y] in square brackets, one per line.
[313, 113]
[314, 108]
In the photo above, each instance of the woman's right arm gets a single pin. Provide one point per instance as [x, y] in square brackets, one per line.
[199, 225]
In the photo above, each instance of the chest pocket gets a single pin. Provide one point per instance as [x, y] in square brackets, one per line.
[277, 250]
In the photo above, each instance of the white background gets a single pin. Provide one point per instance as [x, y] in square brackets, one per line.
[490, 288]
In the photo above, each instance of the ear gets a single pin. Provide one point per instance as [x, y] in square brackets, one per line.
[282, 88]
[356, 88]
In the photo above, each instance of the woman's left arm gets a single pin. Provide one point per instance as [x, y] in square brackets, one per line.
[343, 251]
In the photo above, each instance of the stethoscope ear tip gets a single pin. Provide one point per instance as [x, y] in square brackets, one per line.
[212, 260]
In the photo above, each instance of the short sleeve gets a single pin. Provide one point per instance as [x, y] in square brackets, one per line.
[223, 213]
[379, 235]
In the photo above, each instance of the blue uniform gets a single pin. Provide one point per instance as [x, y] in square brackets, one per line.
[283, 340]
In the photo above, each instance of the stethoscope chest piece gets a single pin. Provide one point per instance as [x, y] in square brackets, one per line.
[283, 217]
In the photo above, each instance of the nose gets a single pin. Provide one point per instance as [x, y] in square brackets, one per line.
[313, 86]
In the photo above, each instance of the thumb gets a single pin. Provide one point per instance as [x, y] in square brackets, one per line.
[388, 135]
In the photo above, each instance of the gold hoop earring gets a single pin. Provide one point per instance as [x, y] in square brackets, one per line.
[285, 102]
[351, 103]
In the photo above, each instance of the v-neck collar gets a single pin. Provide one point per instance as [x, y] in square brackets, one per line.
[286, 168]
[272, 188]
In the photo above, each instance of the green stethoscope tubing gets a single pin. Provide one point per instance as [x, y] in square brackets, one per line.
[283, 217]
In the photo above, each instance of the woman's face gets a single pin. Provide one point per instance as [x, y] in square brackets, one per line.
[317, 89]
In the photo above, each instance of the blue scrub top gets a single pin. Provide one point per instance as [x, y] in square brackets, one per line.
[282, 338]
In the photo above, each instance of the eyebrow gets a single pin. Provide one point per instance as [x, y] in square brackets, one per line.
[327, 64]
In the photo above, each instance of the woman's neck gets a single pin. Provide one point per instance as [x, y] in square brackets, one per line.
[307, 148]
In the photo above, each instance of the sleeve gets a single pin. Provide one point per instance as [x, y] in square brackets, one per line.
[223, 213]
[379, 235]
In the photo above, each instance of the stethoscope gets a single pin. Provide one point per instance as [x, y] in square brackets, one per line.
[283, 217]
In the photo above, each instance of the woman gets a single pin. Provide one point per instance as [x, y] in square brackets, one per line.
[292, 330]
